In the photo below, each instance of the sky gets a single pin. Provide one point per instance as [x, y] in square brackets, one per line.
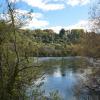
[55, 14]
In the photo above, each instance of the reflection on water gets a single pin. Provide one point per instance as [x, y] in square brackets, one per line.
[62, 82]
[88, 97]
[64, 74]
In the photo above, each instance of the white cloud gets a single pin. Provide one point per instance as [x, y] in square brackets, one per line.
[25, 12]
[43, 4]
[14, 0]
[77, 2]
[19, 12]
[56, 28]
[83, 24]
[35, 23]
[48, 5]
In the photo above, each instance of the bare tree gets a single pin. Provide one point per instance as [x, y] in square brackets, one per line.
[95, 16]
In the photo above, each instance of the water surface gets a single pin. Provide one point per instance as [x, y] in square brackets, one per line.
[63, 75]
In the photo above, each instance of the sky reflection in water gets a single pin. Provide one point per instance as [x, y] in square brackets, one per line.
[63, 75]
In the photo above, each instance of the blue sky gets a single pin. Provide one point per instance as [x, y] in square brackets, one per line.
[56, 14]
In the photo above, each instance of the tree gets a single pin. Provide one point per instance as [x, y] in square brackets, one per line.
[62, 33]
[95, 17]
[16, 69]
[92, 39]
[74, 36]
[51, 34]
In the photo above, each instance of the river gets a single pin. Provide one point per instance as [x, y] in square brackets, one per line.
[65, 75]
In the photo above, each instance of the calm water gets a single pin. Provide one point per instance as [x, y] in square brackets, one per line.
[64, 75]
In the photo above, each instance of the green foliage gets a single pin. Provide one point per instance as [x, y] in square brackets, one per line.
[62, 33]
[74, 36]
[38, 94]
[36, 43]
[48, 43]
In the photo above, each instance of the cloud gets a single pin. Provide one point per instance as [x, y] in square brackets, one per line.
[13, 0]
[49, 5]
[43, 4]
[83, 24]
[77, 2]
[32, 14]
[36, 21]
[56, 28]
[20, 12]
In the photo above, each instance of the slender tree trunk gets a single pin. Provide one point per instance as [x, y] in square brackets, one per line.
[12, 78]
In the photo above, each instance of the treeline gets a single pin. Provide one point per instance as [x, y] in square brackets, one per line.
[75, 42]
[38, 43]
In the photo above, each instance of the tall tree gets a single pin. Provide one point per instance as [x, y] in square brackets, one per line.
[74, 36]
[15, 66]
[95, 16]
[62, 33]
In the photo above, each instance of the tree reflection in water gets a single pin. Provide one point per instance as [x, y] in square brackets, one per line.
[64, 74]
[88, 97]
[83, 92]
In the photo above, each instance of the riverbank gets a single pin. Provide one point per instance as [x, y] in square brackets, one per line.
[92, 61]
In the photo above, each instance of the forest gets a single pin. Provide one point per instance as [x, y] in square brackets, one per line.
[47, 43]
